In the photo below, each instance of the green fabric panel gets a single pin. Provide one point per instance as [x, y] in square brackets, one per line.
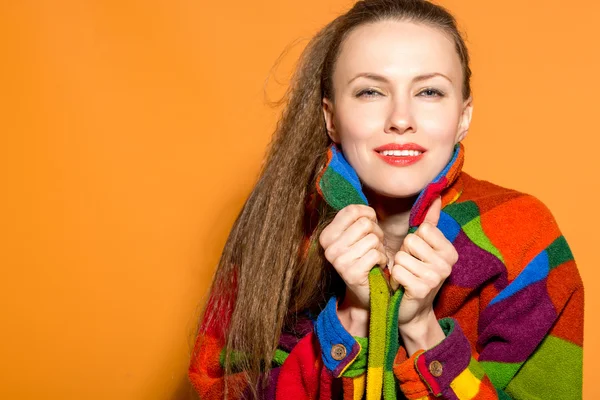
[500, 373]
[392, 346]
[337, 191]
[559, 252]
[392, 323]
[474, 231]
[222, 358]
[462, 212]
[380, 297]
[447, 325]
[554, 371]
[502, 395]
[364, 344]
[237, 357]
[476, 369]
[379, 303]
[353, 372]
[280, 356]
[359, 365]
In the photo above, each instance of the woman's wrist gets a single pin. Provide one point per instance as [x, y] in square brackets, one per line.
[354, 319]
[423, 333]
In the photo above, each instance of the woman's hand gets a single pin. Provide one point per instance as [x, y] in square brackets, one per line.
[421, 266]
[353, 244]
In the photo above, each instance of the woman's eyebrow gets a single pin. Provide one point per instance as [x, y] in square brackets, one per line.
[381, 78]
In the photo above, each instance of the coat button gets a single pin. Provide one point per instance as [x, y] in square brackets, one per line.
[436, 368]
[338, 352]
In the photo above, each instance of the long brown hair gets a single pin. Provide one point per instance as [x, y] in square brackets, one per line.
[270, 268]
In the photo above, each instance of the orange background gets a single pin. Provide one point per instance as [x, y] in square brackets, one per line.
[132, 132]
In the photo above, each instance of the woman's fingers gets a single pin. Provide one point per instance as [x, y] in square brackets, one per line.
[360, 228]
[432, 264]
[353, 245]
[407, 262]
[360, 249]
[419, 248]
[353, 234]
[428, 274]
[438, 242]
[346, 218]
[357, 273]
[432, 236]
[414, 286]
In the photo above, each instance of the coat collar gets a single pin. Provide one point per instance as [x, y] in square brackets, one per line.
[339, 185]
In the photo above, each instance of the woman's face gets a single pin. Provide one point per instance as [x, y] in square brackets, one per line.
[397, 83]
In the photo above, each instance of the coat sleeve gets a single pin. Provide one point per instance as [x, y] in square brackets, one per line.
[296, 371]
[207, 375]
[206, 372]
[530, 335]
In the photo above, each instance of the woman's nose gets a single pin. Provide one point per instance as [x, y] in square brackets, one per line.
[400, 118]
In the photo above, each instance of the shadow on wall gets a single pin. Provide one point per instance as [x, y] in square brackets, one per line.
[210, 247]
[184, 390]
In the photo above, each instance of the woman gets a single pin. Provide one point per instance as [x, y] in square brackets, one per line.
[365, 167]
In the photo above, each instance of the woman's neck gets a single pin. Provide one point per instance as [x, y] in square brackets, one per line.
[393, 215]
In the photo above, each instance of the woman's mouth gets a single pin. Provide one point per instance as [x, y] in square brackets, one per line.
[400, 155]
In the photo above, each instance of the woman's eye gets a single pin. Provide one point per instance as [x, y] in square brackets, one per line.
[431, 93]
[368, 93]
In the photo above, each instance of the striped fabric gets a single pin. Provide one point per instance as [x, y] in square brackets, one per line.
[512, 310]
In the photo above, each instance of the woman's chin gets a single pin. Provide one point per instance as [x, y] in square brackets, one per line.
[393, 191]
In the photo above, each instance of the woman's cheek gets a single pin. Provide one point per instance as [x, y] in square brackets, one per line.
[441, 126]
[360, 123]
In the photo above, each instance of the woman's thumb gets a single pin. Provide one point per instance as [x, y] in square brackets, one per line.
[433, 214]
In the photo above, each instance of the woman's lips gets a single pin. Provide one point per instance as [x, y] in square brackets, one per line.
[400, 161]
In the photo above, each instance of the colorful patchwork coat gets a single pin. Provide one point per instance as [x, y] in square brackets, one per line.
[512, 311]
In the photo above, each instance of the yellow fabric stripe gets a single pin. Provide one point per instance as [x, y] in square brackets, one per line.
[465, 385]
[359, 386]
[375, 383]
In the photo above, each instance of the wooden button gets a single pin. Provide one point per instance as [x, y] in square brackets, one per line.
[436, 369]
[338, 352]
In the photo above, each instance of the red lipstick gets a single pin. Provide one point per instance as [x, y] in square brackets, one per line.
[390, 153]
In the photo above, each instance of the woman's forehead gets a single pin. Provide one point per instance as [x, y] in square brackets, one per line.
[398, 50]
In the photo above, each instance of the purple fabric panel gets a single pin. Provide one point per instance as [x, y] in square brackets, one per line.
[448, 394]
[269, 392]
[454, 353]
[475, 266]
[509, 331]
[303, 327]
[289, 339]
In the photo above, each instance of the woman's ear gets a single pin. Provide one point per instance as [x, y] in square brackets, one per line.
[329, 124]
[465, 119]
